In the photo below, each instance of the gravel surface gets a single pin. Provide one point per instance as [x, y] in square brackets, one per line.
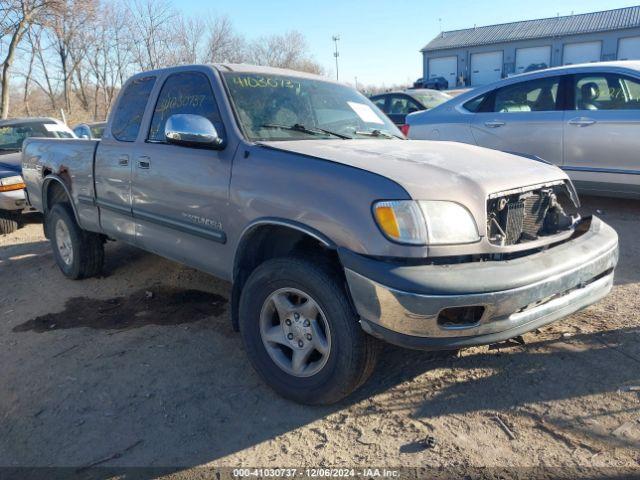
[142, 368]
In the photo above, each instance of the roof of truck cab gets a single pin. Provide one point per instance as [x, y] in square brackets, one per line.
[246, 68]
[237, 67]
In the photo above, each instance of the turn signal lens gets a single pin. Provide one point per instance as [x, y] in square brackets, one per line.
[401, 221]
[387, 221]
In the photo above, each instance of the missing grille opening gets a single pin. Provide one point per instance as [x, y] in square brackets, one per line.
[526, 216]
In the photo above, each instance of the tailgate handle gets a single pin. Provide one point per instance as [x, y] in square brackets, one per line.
[581, 122]
[123, 160]
[144, 162]
[494, 124]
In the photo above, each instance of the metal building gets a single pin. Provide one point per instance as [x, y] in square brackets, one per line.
[480, 55]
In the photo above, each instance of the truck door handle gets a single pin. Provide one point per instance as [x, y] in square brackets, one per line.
[581, 122]
[144, 162]
[123, 160]
[494, 124]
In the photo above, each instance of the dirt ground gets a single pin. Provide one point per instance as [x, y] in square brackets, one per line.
[141, 368]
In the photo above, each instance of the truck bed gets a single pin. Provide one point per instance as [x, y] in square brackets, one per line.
[72, 162]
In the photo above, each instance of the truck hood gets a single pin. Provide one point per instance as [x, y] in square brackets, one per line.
[430, 170]
[10, 164]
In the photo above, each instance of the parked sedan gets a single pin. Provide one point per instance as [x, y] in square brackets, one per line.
[89, 131]
[583, 118]
[13, 132]
[397, 105]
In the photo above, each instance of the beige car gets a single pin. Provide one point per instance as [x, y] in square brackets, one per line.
[332, 228]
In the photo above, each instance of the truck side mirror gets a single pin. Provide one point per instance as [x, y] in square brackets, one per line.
[191, 131]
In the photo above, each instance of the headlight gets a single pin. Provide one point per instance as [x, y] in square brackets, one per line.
[425, 222]
[449, 222]
[11, 183]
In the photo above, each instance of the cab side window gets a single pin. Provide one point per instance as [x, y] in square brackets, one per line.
[184, 93]
[606, 91]
[540, 95]
[131, 107]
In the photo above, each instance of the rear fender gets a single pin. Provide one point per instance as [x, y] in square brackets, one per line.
[47, 184]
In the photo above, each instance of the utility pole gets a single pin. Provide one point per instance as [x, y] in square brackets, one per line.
[336, 54]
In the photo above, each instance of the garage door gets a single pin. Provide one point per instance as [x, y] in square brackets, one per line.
[629, 48]
[532, 56]
[586, 52]
[486, 67]
[446, 67]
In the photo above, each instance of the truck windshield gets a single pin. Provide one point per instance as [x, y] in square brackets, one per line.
[12, 136]
[279, 107]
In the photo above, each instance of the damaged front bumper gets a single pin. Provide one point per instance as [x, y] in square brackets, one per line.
[14, 200]
[450, 306]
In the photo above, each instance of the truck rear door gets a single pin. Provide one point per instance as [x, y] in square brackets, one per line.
[180, 193]
[113, 160]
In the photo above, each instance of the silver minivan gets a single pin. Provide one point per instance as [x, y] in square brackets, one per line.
[583, 118]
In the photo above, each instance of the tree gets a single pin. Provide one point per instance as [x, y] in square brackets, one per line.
[283, 51]
[77, 54]
[151, 33]
[69, 26]
[190, 36]
[16, 16]
[224, 44]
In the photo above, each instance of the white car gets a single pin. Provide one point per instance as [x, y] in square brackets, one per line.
[13, 132]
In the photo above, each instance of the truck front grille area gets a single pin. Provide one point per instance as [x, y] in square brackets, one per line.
[524, 216]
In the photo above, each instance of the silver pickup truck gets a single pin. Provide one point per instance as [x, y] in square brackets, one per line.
[334, 230]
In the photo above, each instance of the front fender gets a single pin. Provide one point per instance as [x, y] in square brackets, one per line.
[325, 199]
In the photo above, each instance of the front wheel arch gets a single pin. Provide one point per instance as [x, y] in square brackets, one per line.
[273, 238]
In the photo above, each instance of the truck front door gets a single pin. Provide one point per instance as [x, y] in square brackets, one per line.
[113, 160]
[180, 193]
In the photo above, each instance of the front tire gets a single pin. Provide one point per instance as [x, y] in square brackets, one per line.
[78, 253]
[8, 222]
[301, 333]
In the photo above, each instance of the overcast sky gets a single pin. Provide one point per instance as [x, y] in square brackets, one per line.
[379, 40]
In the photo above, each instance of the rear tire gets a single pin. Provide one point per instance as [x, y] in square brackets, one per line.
[8, 222]
[78, 253]
[311, 299]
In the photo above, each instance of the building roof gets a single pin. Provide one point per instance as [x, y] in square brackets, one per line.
[545, 27]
